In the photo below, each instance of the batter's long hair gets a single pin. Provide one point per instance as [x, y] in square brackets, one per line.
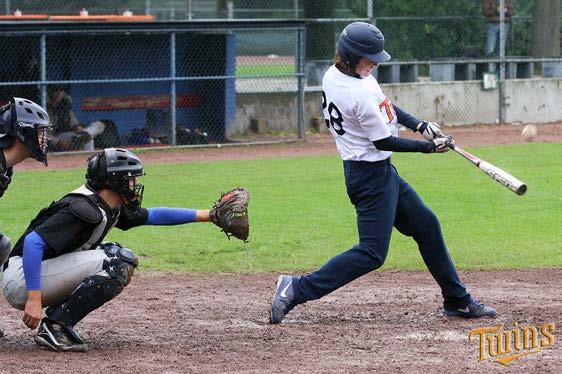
[347, 69]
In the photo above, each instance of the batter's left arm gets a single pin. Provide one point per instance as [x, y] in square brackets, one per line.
[429, 130]
[406, 119]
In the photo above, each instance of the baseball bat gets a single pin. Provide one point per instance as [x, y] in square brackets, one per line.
[494, 172]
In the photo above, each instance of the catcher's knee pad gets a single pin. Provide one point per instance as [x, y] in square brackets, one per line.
[117, 250]
[119, 269]
[95, 290]
[121, 262]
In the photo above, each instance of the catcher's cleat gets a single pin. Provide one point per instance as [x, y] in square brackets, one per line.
[58, 337]
[473, 310]
[283, 300]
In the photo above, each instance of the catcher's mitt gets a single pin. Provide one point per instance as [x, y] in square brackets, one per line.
[230, 213]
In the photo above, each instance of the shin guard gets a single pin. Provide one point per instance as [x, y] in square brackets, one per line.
[93, 292]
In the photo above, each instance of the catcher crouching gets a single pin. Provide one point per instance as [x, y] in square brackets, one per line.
[61, 263]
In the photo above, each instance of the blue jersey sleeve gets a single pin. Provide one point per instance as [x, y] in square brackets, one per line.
[170, 216]
[33, 248]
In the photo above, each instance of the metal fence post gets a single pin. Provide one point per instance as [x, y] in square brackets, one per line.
[8, 10]
[43, 69]
[230, 9]
[370, 10]
[296, 9]
[502, 63]
[147, 7]
[173, 88]
[189, 10]
[300, 62]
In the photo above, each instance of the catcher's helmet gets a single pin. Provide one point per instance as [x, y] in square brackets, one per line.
[361, 39]
[116, 169]
[24, 120]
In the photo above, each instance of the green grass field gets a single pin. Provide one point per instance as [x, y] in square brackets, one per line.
[300, 214]
[267, 70]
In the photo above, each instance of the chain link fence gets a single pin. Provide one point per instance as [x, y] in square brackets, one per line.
[157, 85]
[138, 85]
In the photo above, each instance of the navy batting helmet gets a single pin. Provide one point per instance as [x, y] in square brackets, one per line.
[24, 120]
[113, 168]
[361, 39]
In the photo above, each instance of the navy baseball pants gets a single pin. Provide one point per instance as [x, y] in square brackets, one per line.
[382, 200]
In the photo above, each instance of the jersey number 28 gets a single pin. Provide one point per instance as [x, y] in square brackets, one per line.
[336, 119]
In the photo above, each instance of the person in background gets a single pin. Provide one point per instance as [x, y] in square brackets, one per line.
[82, 139]
[491, 10]
[105, 133]
[60, 111]
[63, 119]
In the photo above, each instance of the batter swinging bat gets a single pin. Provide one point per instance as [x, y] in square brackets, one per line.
[494, 172]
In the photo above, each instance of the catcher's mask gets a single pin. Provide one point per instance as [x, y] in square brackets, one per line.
[117, 169]
[28, 122]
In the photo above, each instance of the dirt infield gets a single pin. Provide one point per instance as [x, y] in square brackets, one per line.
[316, 144]
[385, 322]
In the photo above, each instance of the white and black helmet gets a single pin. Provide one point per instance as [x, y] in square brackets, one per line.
[25, 120]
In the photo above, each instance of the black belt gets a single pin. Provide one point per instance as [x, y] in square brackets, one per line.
[386, 161]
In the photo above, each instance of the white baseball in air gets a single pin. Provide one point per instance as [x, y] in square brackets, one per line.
[529, 133]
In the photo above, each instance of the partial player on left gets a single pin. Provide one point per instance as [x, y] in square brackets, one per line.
[25, 132]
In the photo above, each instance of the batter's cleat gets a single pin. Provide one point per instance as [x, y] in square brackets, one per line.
[473, 310]
[58, 337]
[283, 300]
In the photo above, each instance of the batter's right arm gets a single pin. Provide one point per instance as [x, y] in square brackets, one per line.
[396, 144]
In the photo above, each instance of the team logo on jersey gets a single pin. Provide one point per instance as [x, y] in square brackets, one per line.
[387, 110]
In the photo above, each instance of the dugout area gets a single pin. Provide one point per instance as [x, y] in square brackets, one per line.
[130, 73]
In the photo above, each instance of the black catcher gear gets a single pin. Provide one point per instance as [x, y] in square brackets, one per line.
[5, 180]
[28, 122]
[117, 169]
[5, 248]
[97, 289]
[5, 172]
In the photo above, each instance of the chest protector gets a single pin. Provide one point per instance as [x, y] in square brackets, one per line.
[90, 211]
[87, 209]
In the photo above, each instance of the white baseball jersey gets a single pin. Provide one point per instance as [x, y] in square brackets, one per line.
[357, 113]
